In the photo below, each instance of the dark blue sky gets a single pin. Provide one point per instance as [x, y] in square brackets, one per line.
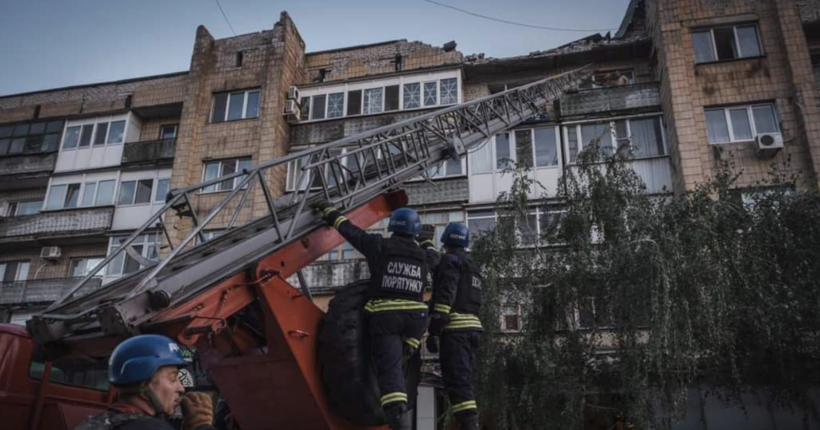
[55, 43]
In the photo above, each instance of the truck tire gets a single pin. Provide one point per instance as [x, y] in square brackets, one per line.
[345, 366]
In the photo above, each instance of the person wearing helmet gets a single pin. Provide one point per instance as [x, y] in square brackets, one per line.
[395, 311]
[144, 370]
[454, 319]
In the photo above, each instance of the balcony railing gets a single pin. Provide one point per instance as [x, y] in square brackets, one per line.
[42, 290]
[26, 170]
[327, 276]
[56, 224]
[627, 97]
[149, 152]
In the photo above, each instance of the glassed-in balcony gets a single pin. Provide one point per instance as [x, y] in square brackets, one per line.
[149, 152]
[609, 99]
[42, 290]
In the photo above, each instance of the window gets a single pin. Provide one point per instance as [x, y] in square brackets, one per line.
[529, 232]
[373, 100]
[449, 91]
[335, 105]
[28, 207]
[14, 271]
[510, 317]
[430, 93]
[99, 136]
[135, 192]
[643, 136]
[168, 131]
[481, 223]
[162, 190]
[85, 135]
[609, 79]
[209, 234]
[503, 157]
[546, 147]
[304, 107]
[593, 313]
[78, 372]
[218, 169]
[80, 267]
[447, 168]
[726, 43]
[88, 193]
[145, 245]
[235, 105]
[523, 148]
[412, 96]
[354, 102]
[105, 193]
[30, 137]
[391, 98]
[481, 158]
[63, 196]
[318, 105]
[740, 123]
[116, 132]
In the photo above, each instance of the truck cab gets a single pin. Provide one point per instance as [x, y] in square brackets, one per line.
[37, 394]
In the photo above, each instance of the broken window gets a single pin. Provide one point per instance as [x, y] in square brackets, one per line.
[72, 137]
[391, 98]
[335, 105]
[726, 43]
[523, 148]
[80, 267]
[318, 104]
[646, 137]
[116, 132]
[373, 100]
[412, 95]
[145, 245]
[430, 93]
[449, 91]
[354, 102]
[304, 106]
[546, 147]
[511, 317]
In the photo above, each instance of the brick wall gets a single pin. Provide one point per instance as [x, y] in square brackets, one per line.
[150, 128]
[48, 269]
[809, 10]
[376, 59]
[686, 88]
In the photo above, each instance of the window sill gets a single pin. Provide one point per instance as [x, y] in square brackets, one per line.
[736, 142]
[79, 208]
[133, 205]
[232, 121]
[733, 60]
[370, 115]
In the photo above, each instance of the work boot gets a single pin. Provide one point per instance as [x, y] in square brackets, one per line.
[399, 417]
[467, 422]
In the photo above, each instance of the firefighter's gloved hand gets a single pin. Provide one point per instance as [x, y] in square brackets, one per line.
[432, 344]
[427, 234]
[437, 322]
[322, 206]
[197, 410]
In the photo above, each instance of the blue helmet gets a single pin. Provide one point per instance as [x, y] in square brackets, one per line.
[456, 234]
[405, 221]
[138, 358]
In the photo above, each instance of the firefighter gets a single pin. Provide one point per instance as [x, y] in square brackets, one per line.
[396, 314]
[454, 325]
[144, 370]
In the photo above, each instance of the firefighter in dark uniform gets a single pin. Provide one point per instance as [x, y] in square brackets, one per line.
[454, 325]
[396, 314]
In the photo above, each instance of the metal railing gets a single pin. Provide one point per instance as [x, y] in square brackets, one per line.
[375, 161]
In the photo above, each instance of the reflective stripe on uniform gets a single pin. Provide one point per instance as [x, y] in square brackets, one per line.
[463, 406]
[329, 210]
[441, 307]
[339, 221]
[462, 321]
[394, 397]
[412, 342]
[385, 305]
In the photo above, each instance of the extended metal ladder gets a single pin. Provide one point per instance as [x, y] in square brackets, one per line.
[374, 162]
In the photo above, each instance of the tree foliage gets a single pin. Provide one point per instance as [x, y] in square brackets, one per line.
[633, 298]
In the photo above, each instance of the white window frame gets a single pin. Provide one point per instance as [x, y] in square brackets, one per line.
[734, 27]
[121, 259]
[228, 105]
[136, 187]
[165, 126]
[293, 174]
[749, 113]
[578, 125]
[400, 81]
[96, 192]
[17, 203]
[88, 269]
[215, 187]
[95, 123]
[539, 211]
[21, 274]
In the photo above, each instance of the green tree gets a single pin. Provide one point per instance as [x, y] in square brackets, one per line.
[632, 298]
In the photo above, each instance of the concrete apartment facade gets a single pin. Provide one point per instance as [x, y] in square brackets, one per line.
[688, 84]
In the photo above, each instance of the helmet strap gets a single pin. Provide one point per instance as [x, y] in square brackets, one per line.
[159, 412]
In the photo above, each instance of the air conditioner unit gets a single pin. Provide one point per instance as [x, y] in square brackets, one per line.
[293, 93]
[292, 110]
[768, 144]
[50, 252]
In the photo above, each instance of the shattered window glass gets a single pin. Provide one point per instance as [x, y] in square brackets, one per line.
[335, 105]
[449, 91]
[373, 100]
[430, 93]
[412, 96]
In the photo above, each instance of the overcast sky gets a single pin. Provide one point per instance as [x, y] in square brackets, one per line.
[56, 43]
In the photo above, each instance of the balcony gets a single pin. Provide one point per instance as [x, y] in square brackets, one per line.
[42, 290]
[62, 224]
[26, 170]
[149, 152]
[604, 100]
[324, 277]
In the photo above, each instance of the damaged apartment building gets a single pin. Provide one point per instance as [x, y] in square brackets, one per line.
[687, 84]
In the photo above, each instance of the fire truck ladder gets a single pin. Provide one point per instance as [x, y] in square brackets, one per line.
[373, 163]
